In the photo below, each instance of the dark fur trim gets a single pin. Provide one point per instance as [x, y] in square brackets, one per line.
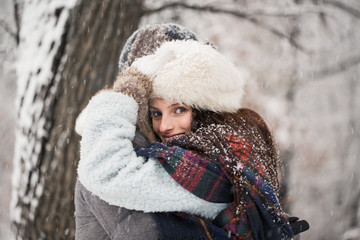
[138, 86]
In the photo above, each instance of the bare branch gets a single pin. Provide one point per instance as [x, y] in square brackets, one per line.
[269, 12]
[193, 7]
[278, 33]
[247, 15]
[7, 29]
[339, 67]
[288, 12]
[17, 14]
[354, 12]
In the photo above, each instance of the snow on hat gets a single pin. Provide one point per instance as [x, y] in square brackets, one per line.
[195, 74]
[147, 39]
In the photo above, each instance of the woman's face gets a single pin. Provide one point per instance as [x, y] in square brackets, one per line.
[170, 119]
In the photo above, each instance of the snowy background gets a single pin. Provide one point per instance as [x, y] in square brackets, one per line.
[310, 98]
[7, 116]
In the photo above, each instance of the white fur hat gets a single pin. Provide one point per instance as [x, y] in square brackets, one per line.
[195, 74]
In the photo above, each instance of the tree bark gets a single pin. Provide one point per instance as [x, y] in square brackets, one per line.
[86, 61]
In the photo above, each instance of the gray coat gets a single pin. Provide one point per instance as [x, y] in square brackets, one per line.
[96, 219]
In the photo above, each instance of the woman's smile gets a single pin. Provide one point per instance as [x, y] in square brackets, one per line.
[170, 119]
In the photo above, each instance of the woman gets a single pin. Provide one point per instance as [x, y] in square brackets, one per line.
[109, 166]
[200, 78]
[120, 177]
[96, 218]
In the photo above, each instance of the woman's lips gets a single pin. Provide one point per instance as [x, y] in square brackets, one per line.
[171, 135]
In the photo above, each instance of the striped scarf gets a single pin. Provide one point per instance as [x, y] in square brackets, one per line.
[234, 175]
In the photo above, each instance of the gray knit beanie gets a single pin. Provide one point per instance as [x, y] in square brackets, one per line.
[147, 39]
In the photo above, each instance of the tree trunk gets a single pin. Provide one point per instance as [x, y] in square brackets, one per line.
[82, 44]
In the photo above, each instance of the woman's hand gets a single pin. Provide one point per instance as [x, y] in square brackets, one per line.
[298, 226]
[137, 85]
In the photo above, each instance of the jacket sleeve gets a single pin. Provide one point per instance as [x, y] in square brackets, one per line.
[96, 219]
[87, 226]
[110, 169]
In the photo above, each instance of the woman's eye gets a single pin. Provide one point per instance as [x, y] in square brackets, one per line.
[156, 114]
[180, 110]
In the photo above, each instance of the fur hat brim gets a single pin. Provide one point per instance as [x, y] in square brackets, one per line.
[195, 74]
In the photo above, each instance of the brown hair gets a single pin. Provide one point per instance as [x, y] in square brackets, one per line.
[251, 127]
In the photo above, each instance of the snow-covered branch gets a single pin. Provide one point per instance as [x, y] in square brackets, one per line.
[8, 29]
[251, 15]
[18, 7]
[288, 12]
[352, 11]
[270, 12]
[339, 67]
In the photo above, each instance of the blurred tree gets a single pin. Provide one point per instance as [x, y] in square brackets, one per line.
[68, 51]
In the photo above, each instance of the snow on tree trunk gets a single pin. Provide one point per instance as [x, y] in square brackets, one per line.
[68, 50]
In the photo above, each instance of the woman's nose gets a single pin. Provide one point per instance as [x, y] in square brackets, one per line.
[166, 124]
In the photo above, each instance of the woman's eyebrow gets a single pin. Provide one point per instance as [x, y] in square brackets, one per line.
[170, 106]
[173, 105]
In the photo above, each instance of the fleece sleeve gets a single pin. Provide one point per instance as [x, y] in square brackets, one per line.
[110, 169]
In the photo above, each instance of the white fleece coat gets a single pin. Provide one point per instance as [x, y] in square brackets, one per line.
[110, 169]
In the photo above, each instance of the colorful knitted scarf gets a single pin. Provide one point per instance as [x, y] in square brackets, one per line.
[234, 175]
